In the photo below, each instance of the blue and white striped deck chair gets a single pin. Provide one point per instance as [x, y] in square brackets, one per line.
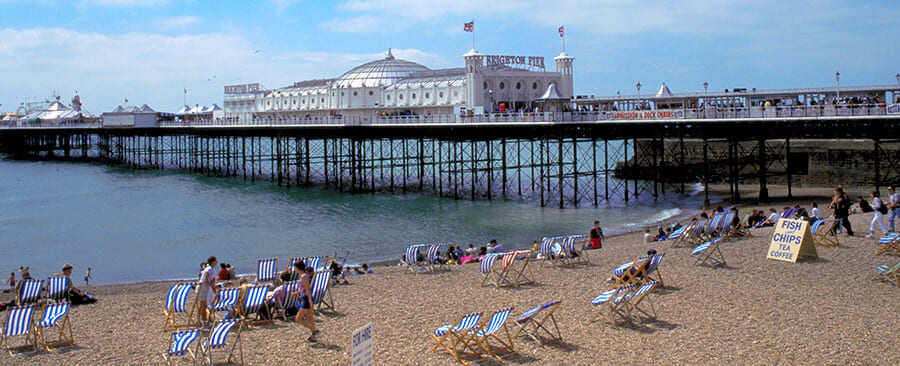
[551, 249]
[56, 315]
[488, 331]
[715, 224]
[453, 336]
[532, 322]
[613, 302]
[433, 259]
[177, 303]
[57, 288]
[286, 302]
[888, 274]
[491, 274]
[629, 273]
[254, 300]
[412, 258]
[824, 233]
[573, 246]
[266, 270]
[29, 292]
[181, 345]
[676, 234]
[709, 253]
[317, 263]
[636, 297]
[889, 244]
[653, 269]
[226, 299]
[697, 231]
[218, 339]
[728, 223]
[321, 297]
[18, 323]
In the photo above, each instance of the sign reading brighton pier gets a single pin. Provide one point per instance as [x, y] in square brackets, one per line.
[242, 89]
[533, 61]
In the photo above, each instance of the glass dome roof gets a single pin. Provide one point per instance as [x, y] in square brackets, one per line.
[378, 73]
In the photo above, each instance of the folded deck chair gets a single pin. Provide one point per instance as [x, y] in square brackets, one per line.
[56, 315]
[637, 297]
[889, 244]
[631, 272]
[452, 337]
[412, 259]
[286, 301]
[29, 292]
[433, 260]
[226, 299]
[218, 339]
[266, 270]
[254, 301]
[888, 274]
[18, 323]
[179, 314]
[531, 323]
[181, 345]
[824, 233]
[709, 253]
[321, 297]
[490, 274]
[613, 302]
[57, 288]
[488, 336]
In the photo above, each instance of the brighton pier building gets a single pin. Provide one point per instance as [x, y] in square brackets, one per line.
[394, 88]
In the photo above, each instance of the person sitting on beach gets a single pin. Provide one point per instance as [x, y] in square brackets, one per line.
[472, 252]
[223, 272]
[496, 247]
[364, 269]
[660, 234]
[278, 292]
[862, 206]
[634, 271]
[772, 219]
[649, 237]
[337, 272]
[76, 296]
[815, 214]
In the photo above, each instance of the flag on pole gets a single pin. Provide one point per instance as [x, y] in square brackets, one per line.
[126, 100]
[561, 31]
[469, 27]
[185, 91]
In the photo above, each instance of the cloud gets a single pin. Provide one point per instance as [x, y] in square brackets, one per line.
[178, 22]
[282, 5]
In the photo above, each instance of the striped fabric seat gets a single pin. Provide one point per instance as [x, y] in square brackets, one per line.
[532, 322]
[551, 248]
[316, 263]
[653, 268]
[709, 253]
[176, 303]
[677, 233]
[715, 223]
[452, 338]
[52, 314]
[466, 322]
[612, 302]
[637, 297]
[58, 288]
[573, 247]
[483, 336]
[412, 258]
[181, 345]
[824, 233]
[432, 257]
[287, 301]
[888, 274]
[889, 244]
[727, 221]
[254, 300]
[225, 300]
[321, 297]
[18, 323]
[30, 292]
[266, 269]
[218, 339]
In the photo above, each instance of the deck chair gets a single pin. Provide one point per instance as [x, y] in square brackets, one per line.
[531, 323]
[697, 232]
[517, 274]
[56, 315]
[321, 297]
[57, 288]
[452, 337]
[254, 301]
[551, 249]
[614, 303]
[287, 302]
[317, 263]
[824, 233]
[412, 259]
[638, 296]
[29, 292]
[889, 244]
[433, 260]
[177, 303]
[18, 323]
[573, 247]
[218, 339]
[490, 274]
[652, 270]
[677, 233]
[181, 345]
[728, 222]
[226, 299]
[709, 253]
[715, 224]
[266, 270]
[888, 274]
[628, 273]
[488, 337]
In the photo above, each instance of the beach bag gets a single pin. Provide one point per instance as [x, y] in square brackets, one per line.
[882, 209]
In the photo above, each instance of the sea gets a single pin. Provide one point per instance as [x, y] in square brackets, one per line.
[146, 225]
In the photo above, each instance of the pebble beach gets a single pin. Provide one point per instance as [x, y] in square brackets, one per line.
[752, 311]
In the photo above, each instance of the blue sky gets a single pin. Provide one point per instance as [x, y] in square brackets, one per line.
[149, 50]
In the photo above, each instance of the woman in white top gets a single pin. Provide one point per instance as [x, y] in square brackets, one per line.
[207, 293]
[880, 210]
[815, 213]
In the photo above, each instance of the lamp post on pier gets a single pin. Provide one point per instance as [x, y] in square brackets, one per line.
[837, 82]
[705, 85]
[898, 78]
[638, 86]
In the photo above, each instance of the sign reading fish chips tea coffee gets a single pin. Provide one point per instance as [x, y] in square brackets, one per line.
[791, 240]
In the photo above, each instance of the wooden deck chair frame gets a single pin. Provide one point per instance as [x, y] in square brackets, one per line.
[57, 288]
[521, 274]
[574, 245]
[19, 322]
[254, 300]
[226, 300]
[220, 332]
[483, 335]
[549, 247]
[629, 273]
[532, 322]
[320, 287]
[637, 297]
[176, 302]
[711, 255]
[614, 303]
[266, 270]
[492, 274]
[889, 244]
[685, 238]
[452, 338]
[888, 274]
[33, 288]
[412, 259]
[181, 345]
[697, 232]
[287, 302]
[823, 232]
[56, 316]
[433, 260]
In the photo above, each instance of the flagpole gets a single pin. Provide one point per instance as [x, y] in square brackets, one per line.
[563, 37]
[473, 34]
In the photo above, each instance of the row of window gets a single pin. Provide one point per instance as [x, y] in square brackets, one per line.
[534, 85]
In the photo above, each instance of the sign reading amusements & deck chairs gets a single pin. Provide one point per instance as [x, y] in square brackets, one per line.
[791, 240]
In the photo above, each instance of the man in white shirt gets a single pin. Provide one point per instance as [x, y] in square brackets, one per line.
[893, 206]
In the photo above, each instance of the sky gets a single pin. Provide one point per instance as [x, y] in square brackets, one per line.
[150, 51]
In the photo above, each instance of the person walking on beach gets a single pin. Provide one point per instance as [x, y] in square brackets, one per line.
[305, 314]
[207, 293]
[841, 206]
[11, 281]
[596, 236]
[880, 209]
[893, 206]
[87, 277]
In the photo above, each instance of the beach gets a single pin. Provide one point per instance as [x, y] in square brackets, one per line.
[752, 311]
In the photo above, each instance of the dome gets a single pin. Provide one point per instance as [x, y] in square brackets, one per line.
[379, 73]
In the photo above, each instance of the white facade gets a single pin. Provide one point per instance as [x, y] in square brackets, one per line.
[390, 87]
